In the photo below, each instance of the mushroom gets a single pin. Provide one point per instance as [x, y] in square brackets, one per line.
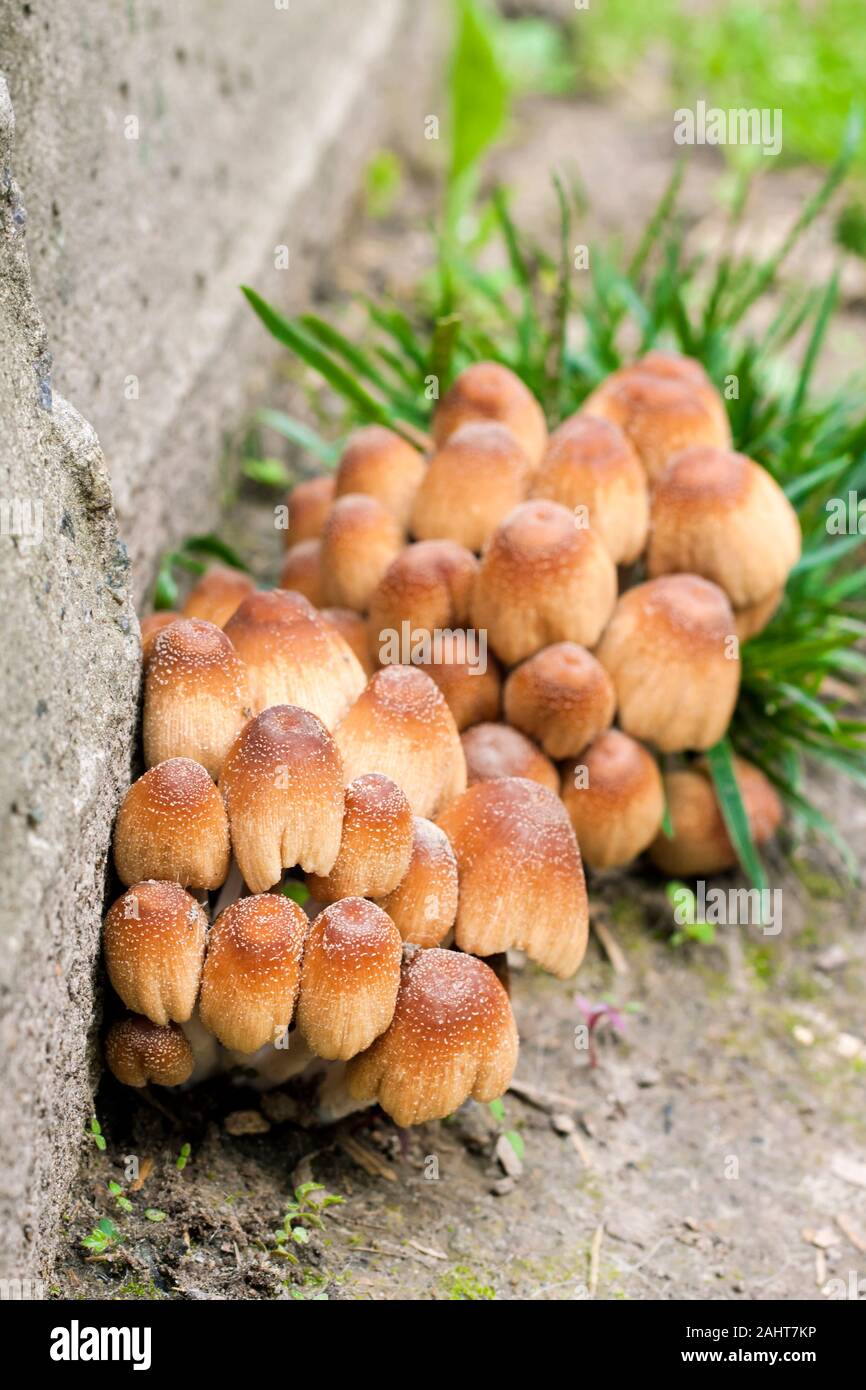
[749, 621]
[195, 695]
[521, 877]
[293, 657]
[472, 688]
[489, 391]
[283, 787]
[423, 906]
[151, 626]
[302, 571]
[453, 1036]
[426, 588]
[671, 652]
[562, 696]
[138, 1051]
[172, 825]
[542, 580]
[381, 464]
[353, 630]
[720, 515]
[252, 971]
[360, 539]
[308, 504]
[376, 843]
[218, 594]
[590, 464]
[497, 750]
[350, 978]
[153, 938]
[613, 795]
[402, 727]
[700, 844]
[475, 479]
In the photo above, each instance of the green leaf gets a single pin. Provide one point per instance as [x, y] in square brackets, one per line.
[478, 89]
[516, 1142]
[268, 472]
[720, 759]
[302, 435]
[298, 892]
[165, 590]
[153, 1214]
[497, 1110]
[300, 1235]
[212, 545]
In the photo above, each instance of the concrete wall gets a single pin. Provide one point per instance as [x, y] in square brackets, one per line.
[159, 154]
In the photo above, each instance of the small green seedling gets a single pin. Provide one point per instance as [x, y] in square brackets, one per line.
[303, 1213]
[95, 1132]
[497, 1110]
[117, 1193]
[183, 1157]
[689, 926]
[102, 1239]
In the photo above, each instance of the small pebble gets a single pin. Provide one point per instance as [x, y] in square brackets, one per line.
[563, 1124]
[802, 1035]
[508, 1158]
[241, 1122]
[502, 1187]
[848, 1046]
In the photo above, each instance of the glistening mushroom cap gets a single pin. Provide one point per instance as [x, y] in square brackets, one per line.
[283, 787]
[360, 539]
[489, 391]
[427, 587]
[172, 825]
[293, 657]
[151, 626]
[613, 795]
[138, 1051]
[749, 621]
[590, 464]
[423, 906]
[402, 727]
[453, 1036]
[468, 677]
[475, 479]
[353, 630]
[543, 579]
[218, 594]
[376, 843]
[153, 938]
[378, 462]
[673, 656]
[252, 972]
[350, 978]
[521, 877]
[308, 505]
[302, 571]
[497, 750]
[700, 844]
[195, 695]
[562, 697]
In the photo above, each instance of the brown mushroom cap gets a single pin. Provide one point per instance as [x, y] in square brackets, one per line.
[562, 697]
[153, 938]
[378, 462]
[672, 654]
[521, 877]
[720, 515]
[402, 727]
[423, 906]
[252, 971]
[283, 787]
[700, 844]
[309, 503]
[617, 805]
[749, 621]
[475, 479]
[376, 843]
[353, 629]
[662, 413]
[453, 1036]
[360, 539]
[428, 586]
[293, 657]
[542, 580]
[350, 978]
[151, 626]
[302, 571]
[589, 463]
[471, 684]
[195, 695]
[138, 1051]
[172, 825]
[497, 750]
[218, 594]
[489, 391]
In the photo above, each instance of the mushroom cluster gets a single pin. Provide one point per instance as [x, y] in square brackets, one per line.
[454, 698]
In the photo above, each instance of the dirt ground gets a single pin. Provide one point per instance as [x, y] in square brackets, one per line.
[716, 1150]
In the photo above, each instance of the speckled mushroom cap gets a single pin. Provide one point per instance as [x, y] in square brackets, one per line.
[350, 978]
[151, 626]
[283, 787]
[562, 696]
[252, 971]
[172, 825]
[381, 464]
[138, 1051]
[376, 843]
[749, 621]
[309, 503]
[689, 371]
[489, 391]
[293, 657]
[474, 479]
[613, 795]
[673, 656]
[153, 938]
[352, 627]
[521, 877]
[428, 586]
[720, 515]
[700, 844]
[360, 539]
[423, 906]
[589, 463]
[195, 695]
[301, 571]
[453, 1036]
[497, 750]
[402, 727]
[469, 679]
[542, 579]
[218, 594]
